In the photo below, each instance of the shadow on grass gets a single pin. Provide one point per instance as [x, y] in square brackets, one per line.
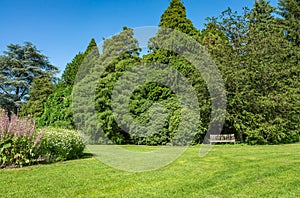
[87, 155]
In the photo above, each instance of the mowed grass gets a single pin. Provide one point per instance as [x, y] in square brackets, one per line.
[226, 171]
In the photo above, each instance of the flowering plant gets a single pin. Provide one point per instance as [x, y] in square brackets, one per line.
[19, 141]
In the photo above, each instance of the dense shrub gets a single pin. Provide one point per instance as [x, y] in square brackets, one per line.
[58, 109]
[61, 144]
[19, 143]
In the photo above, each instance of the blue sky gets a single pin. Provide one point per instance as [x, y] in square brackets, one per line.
[62, 28]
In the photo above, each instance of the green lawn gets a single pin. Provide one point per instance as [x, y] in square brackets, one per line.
[227, 171]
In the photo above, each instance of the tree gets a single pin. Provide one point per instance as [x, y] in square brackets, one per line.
[120, 53]
[19, 66]
[71, 70]
[223, 44]
[58, 108]
[269, 60]
[260, 72]
[290, 11]
[41, 89]
[92, 47]
[173, 18]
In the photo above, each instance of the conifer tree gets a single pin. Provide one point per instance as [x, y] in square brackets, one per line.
[58, 108]
[72, 68]
[120, 53]
[260, 74]
[173, 18]
[18, 67]
[290, 11]
[41, 89]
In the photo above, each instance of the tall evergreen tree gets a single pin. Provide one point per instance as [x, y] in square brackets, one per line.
[18, 67]
[92, 47]
[173, 18]
[120, 53]
[72, 68]
[58, 108]
[223, 45]
[290, 11]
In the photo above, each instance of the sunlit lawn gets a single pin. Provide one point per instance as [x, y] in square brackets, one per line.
[227, 171]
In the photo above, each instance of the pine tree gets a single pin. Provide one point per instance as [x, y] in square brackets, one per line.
[290, 11]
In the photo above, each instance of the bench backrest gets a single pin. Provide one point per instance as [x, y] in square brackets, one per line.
[222, 137]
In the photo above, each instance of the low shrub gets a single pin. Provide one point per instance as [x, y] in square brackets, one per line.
[61, 144]
[19, 141]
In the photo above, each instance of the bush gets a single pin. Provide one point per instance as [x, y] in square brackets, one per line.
[19, 143]
[61, 144]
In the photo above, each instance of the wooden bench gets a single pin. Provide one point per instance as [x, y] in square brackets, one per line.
[221, 138]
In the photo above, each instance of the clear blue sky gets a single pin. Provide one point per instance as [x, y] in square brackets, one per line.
[62, 28]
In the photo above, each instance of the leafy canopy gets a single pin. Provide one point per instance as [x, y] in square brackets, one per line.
[19, 66]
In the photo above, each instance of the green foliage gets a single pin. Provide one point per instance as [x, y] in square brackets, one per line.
[61, 144]
[71, 70]
[92, 48]
[145, 125]
[19, 142]
[58, 109]
[174, 17]
[256, 51]
[290, 11]
[261, 72]
[18, 68]
[41, 89]
[119, 54]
